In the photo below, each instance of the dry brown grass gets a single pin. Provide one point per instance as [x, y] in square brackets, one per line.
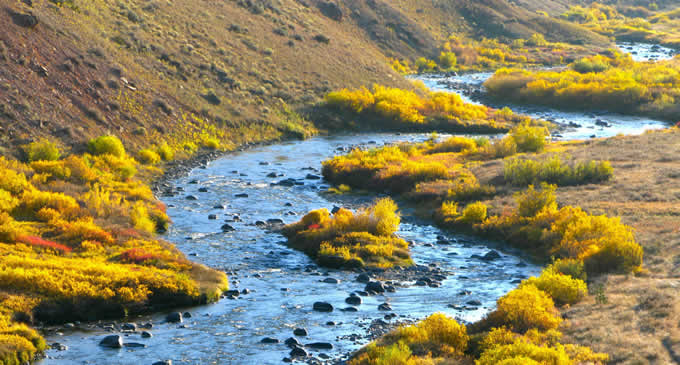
[639, 324]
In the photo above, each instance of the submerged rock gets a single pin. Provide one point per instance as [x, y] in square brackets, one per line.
[269, 340]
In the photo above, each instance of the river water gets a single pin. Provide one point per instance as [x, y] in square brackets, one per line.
[284, 283]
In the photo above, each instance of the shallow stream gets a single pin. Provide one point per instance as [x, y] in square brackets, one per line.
[284, 283]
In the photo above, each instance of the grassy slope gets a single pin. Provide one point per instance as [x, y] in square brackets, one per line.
[639, 322]
[250, 57]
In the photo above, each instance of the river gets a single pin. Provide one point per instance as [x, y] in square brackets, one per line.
[284, 283]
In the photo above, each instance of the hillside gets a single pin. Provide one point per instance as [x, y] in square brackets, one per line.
[76, 69]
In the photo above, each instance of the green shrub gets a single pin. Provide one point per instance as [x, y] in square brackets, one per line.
[42, 150]
[106, 145]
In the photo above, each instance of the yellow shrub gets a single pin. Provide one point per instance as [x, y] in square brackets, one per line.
[9, 228]
[529, 138]
[571, 267]
[319, 216]
[47, 215]
[532, 201]
[473, 213]
[12, 181]
[7, 201]
[449, 209]
[141, 219]
[42, 150]
[357, 100]
[520, 350]
[437, 335]
[166, 152]
[149, 157]
[528, 307]
[455, 144]
[396, 354]
[81, 172]
[106, 145]
[563, 289]
[385, 213]
[33, 200]
[82, 230]
[56, 169]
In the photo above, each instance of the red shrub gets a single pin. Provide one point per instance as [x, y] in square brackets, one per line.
[137, 256]
[40, 242]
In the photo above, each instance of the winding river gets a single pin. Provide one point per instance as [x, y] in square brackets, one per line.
[283, 284]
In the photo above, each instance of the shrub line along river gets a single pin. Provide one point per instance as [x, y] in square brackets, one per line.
[283, 283]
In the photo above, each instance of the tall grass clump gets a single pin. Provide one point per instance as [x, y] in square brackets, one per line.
[554, 170]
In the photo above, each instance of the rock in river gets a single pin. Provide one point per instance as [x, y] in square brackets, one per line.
[113, 341]
[491, 256]
[269, 340]
[353, 300]
[323, 307]
[227, 228]
[320, 345]
[375, 286]
[300, 332]
[298, 352]
[174, 317]
[292, 342]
